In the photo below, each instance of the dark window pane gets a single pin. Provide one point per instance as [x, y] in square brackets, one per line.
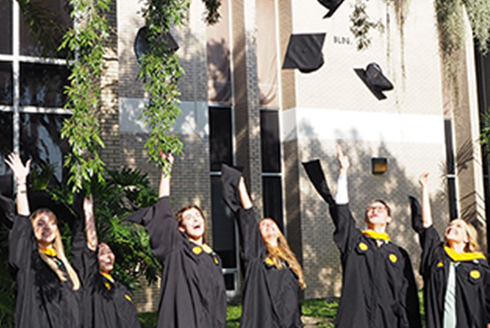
[272, 193]
[451, 186]
[270, 141]
[43, 85]
[448, 131]
[40, 140]
[223, 226]
[220, 138]
[6, 27]
[230, 281]
[6, 146]
[6, 82]
[54, 21]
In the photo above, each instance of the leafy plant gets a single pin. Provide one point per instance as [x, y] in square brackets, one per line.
[129, 243]
[160, 73]
[361, 25]
[82, 129]
[44, 25]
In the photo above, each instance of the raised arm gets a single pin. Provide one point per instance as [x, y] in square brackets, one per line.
[21, 172]
[91, 231]
[426, 213]
[342, 196]
[164, 187]
[244, 196]
[159, 220]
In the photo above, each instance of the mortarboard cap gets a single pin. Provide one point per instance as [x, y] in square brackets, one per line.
[332, 5]
[141, 45]
[374, 79]
[305, 52]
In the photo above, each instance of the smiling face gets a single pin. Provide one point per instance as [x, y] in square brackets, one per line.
[106, 258]
[45, 228]
[192, 222]
[456, 232]
[377, 215]
[270, 231]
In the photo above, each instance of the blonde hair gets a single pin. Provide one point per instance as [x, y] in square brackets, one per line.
[282, 253]
[60, 252]
[472, 244]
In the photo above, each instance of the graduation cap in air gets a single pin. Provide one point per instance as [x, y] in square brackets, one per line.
[332, 5]
[305, 52]
[141, 45]
[374, 79]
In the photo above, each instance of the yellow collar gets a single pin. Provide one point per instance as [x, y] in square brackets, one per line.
[460, 257]
[204, 247]
[107, 276]
[376, 235]
[48, 251]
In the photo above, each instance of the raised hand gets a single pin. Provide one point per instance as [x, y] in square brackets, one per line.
[424, 179]
[20, 170]
[168, 157]
[164, 187]
[343, 160]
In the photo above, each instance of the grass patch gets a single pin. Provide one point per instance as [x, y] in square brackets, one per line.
[319, 313]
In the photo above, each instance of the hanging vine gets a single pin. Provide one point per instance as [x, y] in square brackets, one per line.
[361, 25]
[160, 73]
[452, 35]
[82, 130]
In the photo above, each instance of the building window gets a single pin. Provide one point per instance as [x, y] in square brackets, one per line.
[271, 166]
[224, 226]
[451, 170]
[32, 92]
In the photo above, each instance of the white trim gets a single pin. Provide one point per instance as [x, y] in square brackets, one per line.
[356, 125]
[15, 76]
[44, 110]
[27, 59]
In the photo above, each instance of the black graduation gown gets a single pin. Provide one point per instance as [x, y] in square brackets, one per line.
[472, 280]
[105, 304]
[193, 293]
[378, 285]
[378, 288]
[271, 297]
[42, 300]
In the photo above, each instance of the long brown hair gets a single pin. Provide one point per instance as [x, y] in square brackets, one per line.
[60, 252]
[179, 216]
[282, 253]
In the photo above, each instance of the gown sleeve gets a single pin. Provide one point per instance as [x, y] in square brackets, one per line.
[429, 237]
[251, 243]
[83, 259]
[160, 223]
[487, 293]
[409, 295]
[21, 243]
[345, 228]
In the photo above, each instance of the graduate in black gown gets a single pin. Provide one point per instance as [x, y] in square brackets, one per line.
[456, 274]
[106, 302]
[193, 293]
[273, 278]
[47, 287]
[378, 285]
